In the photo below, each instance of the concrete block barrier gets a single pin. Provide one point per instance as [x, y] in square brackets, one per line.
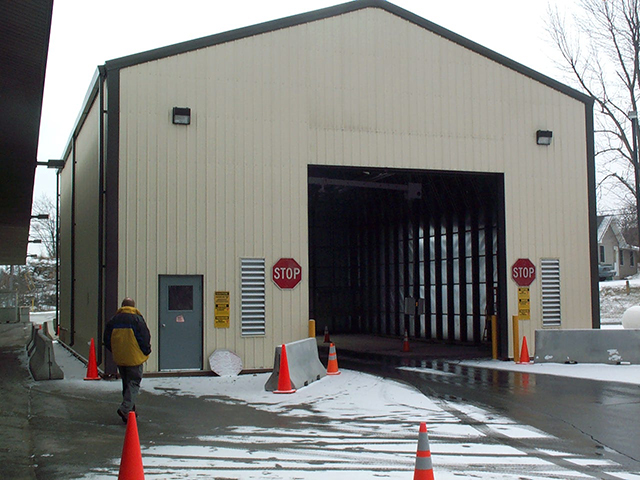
[47, 329]
[42, 361]
[588, 346]
[44, 328]
[9, 315]
[31, 344]
[25, 314]
[304, 364]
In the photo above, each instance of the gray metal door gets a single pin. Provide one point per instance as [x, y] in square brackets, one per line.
[180, 316]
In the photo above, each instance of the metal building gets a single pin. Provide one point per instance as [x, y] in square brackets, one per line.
[397, 163]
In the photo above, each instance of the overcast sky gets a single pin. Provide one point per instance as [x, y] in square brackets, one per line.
[87, 33]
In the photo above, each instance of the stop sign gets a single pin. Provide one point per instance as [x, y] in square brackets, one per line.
[286, 273]
[523, 272]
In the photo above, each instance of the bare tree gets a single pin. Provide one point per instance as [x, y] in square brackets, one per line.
[600, 49]
[626, 219]
[45, 229]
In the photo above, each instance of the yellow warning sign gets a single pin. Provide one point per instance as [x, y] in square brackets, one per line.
[221, 309]
[524, 303]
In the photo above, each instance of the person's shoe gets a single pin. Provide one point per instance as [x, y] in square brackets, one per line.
[122, 415]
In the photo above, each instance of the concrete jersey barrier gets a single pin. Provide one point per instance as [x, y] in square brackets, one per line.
[303, 361]
[588, 346]
[32, 340]
[34, 332]
[42, 361]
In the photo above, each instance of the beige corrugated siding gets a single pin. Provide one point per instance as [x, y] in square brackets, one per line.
[66, 282]
[363, 89]
[87, 195]
[80, 194]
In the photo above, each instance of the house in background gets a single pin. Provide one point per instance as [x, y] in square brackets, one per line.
[615, 255]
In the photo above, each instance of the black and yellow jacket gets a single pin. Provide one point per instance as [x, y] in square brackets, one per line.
[127, 337]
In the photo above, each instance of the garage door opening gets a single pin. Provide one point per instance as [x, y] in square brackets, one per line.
[393, 249]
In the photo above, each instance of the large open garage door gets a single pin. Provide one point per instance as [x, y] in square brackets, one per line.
[393, 249]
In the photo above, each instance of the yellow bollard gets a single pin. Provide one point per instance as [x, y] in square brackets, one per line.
[494, 337]
[516, 338]
[312, 328]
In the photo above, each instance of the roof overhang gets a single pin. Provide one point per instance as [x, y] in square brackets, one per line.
[24, 43]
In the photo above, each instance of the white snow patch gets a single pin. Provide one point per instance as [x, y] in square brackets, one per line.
[592, 371]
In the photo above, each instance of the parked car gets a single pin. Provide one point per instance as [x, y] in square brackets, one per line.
[606, 272]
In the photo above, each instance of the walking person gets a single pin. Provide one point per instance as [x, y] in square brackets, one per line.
[127, 337]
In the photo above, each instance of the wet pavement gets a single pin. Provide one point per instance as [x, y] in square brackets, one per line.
[593, 417]
[51, 430]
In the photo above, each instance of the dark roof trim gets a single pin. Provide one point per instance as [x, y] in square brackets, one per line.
[87, 104]
[336, 10]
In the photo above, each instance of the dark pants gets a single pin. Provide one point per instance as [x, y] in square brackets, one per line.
[131, 378]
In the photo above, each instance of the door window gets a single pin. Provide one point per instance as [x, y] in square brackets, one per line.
[181, 297]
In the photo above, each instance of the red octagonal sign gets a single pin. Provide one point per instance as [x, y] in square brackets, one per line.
[286, 273]
[523, 272]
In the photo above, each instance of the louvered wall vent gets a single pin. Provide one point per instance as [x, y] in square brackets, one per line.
[253, 296]
[550, 278]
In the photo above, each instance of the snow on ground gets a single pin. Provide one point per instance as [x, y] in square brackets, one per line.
[593, 371]
[615, 298]
[355, 426]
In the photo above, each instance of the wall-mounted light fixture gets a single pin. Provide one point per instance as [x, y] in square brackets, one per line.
[52, 164]
[40, 216]
[34, 240]
[543, 137]
[181, 116]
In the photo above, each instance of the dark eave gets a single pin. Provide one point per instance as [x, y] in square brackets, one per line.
[24, 42]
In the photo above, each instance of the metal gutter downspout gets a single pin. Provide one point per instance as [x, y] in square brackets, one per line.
[72, 294]
[593, 221]
[101, 310]
[57, 322]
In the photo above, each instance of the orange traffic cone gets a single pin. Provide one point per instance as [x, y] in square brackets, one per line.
[524, 352]
[326, 335]
[405, 344]
[92, 367]
[424, 466]
[284, 381]
[332, 364]
[131, 463]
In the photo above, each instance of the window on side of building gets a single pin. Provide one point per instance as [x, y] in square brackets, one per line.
[550, 279]
[602, 257]
[621, 256]
[252, 306]
[631, 259]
